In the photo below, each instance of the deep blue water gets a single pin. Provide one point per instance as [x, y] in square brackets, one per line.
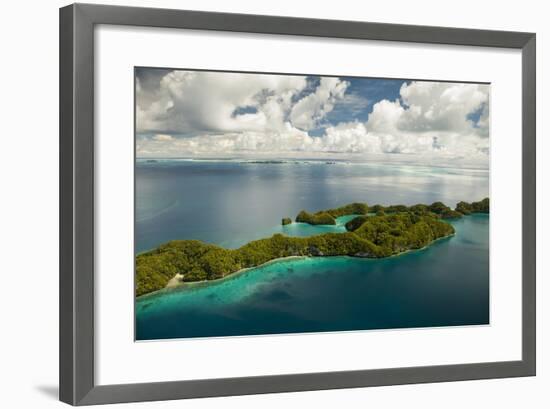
[231, 203]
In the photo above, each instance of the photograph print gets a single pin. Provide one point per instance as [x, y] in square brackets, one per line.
[298, 203]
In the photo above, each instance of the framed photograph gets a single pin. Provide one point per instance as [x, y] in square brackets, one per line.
[254, 204]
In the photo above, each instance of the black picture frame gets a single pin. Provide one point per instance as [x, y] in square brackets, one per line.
[77, 384]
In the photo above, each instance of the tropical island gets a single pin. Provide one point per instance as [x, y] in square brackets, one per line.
[329, 216]
[376, 232]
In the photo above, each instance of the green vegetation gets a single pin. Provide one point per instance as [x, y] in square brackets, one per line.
[286, 220]
[376, 208]
[356, 222]
[374, 236]
[395, 209]
[378, 231]
[444, 211]
[315, 218]
[451, 214]
[481, 206]
[438, 209]
[329, 216]
[398, 232]
[464, 208]
[475, 207]
[353, 208]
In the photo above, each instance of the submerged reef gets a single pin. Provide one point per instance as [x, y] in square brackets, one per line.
[377, 231]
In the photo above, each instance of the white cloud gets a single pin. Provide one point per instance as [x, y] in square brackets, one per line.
[434, 118]
[204, 113]
[440, 106]
[309, 110]
[162, 137]
[289, 140]
[350, 137]
[188, 102]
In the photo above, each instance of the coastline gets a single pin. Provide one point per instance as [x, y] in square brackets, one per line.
[402, 221]
[175, 282]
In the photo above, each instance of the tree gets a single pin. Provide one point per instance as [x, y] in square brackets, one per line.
[381, 235]
[438, 207]
[355, 223]
[481, 206]
[464, 208]
[317, 218]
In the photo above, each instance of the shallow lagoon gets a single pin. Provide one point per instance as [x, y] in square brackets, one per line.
[444, 284]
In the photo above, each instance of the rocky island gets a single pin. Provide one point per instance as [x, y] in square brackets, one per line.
[377, 231]
[329, 216]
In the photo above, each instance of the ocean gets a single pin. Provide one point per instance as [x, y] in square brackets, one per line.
[231, 202]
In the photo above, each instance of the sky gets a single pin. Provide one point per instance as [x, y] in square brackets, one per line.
[205, 114]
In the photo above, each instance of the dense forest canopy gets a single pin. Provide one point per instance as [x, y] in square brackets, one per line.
[377, 231]
[329, 216]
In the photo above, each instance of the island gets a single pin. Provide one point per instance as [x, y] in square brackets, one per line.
[474, 207]
[376, 232]
[329, 216]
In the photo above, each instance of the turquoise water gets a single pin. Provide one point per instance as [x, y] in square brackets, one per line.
[443, 285]
[296, 230]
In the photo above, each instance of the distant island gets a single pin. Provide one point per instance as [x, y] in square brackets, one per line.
[377, 231]
[328, 217]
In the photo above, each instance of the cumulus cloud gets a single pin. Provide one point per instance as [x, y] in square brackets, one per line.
[185, 113]
[309, 110]
[434, 118]
[440, 106]
[189, 102]
[162, 137]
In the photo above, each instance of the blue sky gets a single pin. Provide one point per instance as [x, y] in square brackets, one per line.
[361, 96]
[363, 93]
[185, 113]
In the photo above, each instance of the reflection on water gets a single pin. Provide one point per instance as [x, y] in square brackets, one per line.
[230, 203]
